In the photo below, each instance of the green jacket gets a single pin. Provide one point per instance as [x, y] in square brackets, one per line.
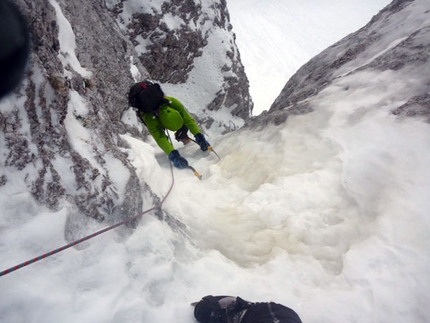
[156, 128]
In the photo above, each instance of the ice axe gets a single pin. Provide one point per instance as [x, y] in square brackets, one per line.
[195, 172]
[209, 148]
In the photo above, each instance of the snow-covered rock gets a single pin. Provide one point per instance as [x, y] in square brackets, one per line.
[62, 130]
[386, 43]
[190, 44]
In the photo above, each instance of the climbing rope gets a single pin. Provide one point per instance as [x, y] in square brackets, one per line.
[74, 243]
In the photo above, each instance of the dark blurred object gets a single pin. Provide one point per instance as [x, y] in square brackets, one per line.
[14, 46]
[223, 309]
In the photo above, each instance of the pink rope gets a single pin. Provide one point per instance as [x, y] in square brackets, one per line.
[74, 243]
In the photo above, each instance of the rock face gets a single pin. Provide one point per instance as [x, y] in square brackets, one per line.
[62, 128]
[176, 48]
[34, 124]
[406, 48]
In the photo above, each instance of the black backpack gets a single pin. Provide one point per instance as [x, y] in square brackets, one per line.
[146, 96]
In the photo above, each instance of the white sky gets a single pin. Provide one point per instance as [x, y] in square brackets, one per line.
[277, 37]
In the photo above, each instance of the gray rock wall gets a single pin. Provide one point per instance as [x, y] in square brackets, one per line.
[43, 155]
[330, 64]
[35, 132]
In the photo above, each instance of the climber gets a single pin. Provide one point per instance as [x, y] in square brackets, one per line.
[228, 309]
[160, 113]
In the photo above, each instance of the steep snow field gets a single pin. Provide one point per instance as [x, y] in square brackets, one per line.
[276, 37]
[327, 214]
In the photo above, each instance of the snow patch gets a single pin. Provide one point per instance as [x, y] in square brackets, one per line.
[67, 41]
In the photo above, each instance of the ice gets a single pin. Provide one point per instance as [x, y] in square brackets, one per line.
[327, 214]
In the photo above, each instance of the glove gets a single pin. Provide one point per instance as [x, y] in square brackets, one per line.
[181, 134]
[178, 161]
[200, 139]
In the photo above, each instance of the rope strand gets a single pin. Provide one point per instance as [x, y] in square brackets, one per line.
[74, 243]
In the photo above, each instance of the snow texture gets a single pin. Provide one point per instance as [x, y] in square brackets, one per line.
[326, 213]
